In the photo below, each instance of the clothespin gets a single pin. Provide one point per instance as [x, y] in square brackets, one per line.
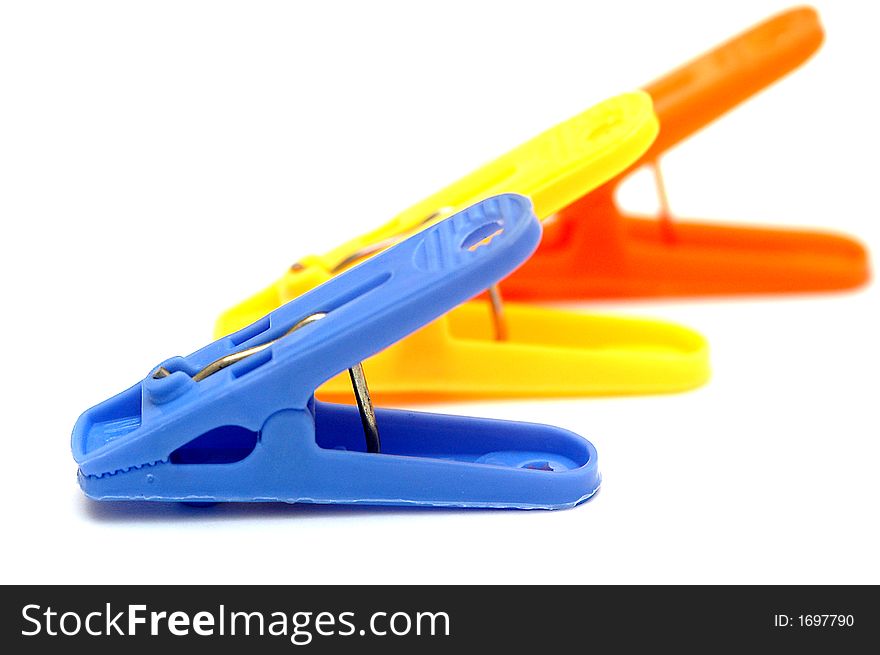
[238, 420]
[492, 350]
[593, 250]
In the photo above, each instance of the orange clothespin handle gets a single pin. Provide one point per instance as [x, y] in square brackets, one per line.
[692, 96]
[592, 250]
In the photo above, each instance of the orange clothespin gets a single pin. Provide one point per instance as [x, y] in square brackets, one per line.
[593, 250]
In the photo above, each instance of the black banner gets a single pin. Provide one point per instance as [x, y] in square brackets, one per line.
[437, 619]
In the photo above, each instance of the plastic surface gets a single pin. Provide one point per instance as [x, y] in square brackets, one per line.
[553, 169]
[592, 250]
[253, 432]
[548, 352]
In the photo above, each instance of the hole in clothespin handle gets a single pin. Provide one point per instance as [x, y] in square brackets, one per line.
[482, 236]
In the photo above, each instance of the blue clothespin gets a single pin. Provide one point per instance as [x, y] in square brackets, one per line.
[238, 420]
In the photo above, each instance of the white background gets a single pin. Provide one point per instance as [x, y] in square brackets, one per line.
[161, 161]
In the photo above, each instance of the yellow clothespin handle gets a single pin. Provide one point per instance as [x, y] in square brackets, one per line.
[554, 169]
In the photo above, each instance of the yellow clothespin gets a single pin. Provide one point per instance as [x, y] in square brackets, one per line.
[484, 349]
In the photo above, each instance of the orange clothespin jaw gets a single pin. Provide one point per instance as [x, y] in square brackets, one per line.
[592, 250]
[486, 349]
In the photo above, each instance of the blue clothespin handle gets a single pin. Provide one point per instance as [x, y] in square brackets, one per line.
[251, 430]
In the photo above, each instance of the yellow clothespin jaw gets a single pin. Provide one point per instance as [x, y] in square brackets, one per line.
[543, 352]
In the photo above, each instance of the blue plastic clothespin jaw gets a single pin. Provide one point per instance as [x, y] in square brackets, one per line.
[238, 421]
